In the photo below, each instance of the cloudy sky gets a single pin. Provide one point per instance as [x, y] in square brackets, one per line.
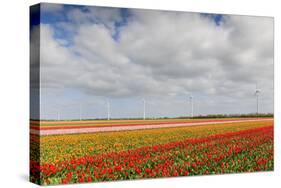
[89, 55]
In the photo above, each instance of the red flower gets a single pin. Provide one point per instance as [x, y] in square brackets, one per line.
[89, 179]
[147, 170]
[118, 168]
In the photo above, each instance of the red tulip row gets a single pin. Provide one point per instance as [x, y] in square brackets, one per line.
[242, 151]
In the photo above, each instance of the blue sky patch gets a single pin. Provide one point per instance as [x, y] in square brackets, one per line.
[216, 18]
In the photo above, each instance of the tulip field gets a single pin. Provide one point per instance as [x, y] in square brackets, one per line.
[152, 153]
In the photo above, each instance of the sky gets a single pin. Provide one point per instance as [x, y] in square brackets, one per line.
[90, 55]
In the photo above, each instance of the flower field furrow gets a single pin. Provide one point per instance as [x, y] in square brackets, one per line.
[237, 151]
[64, 147]
[82, 124]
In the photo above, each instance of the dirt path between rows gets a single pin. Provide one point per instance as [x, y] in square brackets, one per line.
[135, 127]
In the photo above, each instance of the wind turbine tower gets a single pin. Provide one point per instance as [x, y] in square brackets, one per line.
[108, 109]
[143, 100]
[80, 112]
[191, 103]
[257, 93]
[58, 114]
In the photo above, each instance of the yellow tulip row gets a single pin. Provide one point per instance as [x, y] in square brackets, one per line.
[64, 147]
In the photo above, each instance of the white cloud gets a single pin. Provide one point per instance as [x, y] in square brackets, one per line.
[100, 15]
[50, 7]
[159, 53]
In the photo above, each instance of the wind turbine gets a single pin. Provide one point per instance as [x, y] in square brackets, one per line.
[143, 100]
[108, 109]
[80, 112]
[58, 115]
[191, 103]
[257, 93]
[58, 112]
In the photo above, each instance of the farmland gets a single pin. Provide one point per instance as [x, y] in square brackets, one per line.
[163, 152]
[104, 123]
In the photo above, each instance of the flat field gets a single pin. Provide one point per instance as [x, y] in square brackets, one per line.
[228, 147]
[97, 123]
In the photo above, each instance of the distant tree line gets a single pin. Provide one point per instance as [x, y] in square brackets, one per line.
[252, 115]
